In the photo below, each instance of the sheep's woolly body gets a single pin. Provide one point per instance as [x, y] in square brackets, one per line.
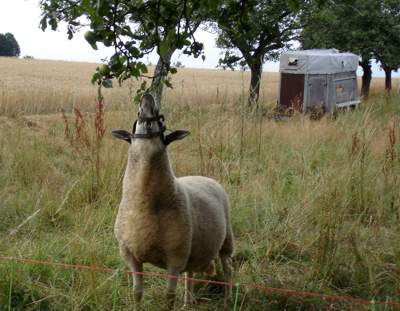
[168, 221]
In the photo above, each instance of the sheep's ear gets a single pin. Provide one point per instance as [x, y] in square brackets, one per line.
[122, 134]
[175, 135]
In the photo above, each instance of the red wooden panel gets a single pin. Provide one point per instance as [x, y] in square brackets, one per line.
[292, 90]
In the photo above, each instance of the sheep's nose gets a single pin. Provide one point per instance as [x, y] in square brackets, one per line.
[147, 106]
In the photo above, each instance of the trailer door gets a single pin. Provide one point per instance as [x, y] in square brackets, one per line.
[345, 86]
[317, 91]
[292, 91]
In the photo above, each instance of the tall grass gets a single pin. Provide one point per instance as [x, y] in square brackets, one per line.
[315, 204]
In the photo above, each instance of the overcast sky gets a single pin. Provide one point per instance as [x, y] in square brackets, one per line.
[21, 18]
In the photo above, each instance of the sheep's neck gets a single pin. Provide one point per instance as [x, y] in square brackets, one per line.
[150, 178]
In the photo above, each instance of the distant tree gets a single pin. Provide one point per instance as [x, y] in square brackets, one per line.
[8, 45]
[389, 57]
[4, 46]
[387, 50]
[254, 31]
[134, 28]
[346, 25]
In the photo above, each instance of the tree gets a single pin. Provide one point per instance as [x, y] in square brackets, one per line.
[346, 25]
[254, 31]
[388, 49]
[133, 28]
[8, 45]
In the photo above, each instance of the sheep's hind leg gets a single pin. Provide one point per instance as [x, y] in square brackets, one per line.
[226, 261]
[189, 299]
[137, 269]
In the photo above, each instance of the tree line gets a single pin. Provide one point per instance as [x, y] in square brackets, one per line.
[368, 28]
[250, 32]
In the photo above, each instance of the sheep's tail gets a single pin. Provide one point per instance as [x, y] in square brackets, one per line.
[228, 245]
[225, 254]
[227, 248]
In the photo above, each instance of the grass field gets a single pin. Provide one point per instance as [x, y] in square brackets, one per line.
[315, 204]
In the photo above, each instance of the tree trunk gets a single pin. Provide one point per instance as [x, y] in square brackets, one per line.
[366, 78]
[255, 81]
[160, 73]
[388, 79]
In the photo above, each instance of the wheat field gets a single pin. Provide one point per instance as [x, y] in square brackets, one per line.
[315, 204]
[43, 87]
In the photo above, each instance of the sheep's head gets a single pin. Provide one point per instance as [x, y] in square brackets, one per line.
[149, 124]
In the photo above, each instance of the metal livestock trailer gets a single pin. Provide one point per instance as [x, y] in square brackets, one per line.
[318, 79]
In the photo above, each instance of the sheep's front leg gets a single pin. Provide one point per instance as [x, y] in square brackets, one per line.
[189, 289]
[171, 287]
[137, 268]
[138, 286]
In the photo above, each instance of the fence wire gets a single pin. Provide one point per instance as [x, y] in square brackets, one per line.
[272, 290]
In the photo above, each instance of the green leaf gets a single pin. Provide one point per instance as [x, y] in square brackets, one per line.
[116, 64]
[168, 83]
[96, 78]
[102, 7]
[294, 4]
[135, 71]
[91, 38]
[136, 99]
[142, 67]
[53, 23]
[107, 83]
[104, 70]
[43, 23]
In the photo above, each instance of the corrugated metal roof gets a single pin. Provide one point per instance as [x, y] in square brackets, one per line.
[317, 61]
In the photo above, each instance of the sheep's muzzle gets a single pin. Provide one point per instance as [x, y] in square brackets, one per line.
[158, 118]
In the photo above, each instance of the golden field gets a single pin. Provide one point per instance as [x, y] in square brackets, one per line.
[40, 86]
[315, 204]
[44, 86]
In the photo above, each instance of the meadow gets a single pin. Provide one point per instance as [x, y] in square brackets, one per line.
[315, 204]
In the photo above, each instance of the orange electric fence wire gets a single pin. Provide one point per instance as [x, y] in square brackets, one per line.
[279, 291]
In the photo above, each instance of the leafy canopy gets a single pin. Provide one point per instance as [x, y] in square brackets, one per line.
[347, 25]
[257, 29]
[133, 28]
[387, 49]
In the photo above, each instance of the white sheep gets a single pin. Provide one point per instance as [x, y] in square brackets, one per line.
[179, 224]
